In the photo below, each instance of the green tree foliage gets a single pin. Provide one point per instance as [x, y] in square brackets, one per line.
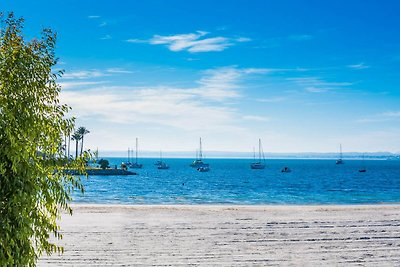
[34, 187]
[104, 164]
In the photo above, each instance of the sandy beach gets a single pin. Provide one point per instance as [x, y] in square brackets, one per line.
[118, 235]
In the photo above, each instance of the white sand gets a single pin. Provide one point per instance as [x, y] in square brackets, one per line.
[100, 235]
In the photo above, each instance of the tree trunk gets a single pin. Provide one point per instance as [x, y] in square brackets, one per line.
[82, 145]
[69, 144]
[76, 149]
[65, 145]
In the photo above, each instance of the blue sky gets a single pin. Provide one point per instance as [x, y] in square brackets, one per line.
[302, 75]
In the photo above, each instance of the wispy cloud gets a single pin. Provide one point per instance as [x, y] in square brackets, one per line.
[137, 41]
[222, 83]
[92, 74]
[83, 74]
[391, 114]
[358, 66]
[106, 37]
[119, 70]
[103, 24]
[93, 17]
[255, 118]
[312, 89]
[271, 100]
[243, 39]
[160, 106]
[317, 84]
[382, 117]
[183, 108]
[76, 85]
[301, 37]
[192, 42]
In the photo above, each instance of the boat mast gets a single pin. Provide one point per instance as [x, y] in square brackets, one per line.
[259, 149]
[341, 154]
[200, 152]
[254, 154]
[129, 158]
[136, 149]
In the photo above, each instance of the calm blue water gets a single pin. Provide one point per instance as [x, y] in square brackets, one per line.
[231, 181]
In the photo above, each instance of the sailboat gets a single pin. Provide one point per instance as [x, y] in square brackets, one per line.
[128, 163]
[363, 169]
[198, 162]
[136, 165]
[258, 165]
[340, 160]
[161, 165]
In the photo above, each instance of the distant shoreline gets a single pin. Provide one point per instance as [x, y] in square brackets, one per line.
[266, 158]
[227, 205]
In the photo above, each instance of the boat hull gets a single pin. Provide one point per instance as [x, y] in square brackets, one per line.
[203, 169]
[257, 166]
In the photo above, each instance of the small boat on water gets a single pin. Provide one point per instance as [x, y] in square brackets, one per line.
[198, 162]
[203, 169]
[286, 169]
[340, 159]
[128, 163]
[161, 165]
[363, 169]
[260, 164]
[136, 165]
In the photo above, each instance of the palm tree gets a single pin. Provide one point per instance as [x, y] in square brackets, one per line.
[76, 137]
[82, 131]
[69, 143]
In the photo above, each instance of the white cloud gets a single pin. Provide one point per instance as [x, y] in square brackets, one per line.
[392, 114]
[243, 39]
[318, 85]
[255, 118]
[92, 74]
[103, 24]
[271, 100]
[171, 107]
[93, 17]
[69, 85]
[106, 37]
[222, 83]
[198, 108]
[382, 117]
[138, 41]
[192, 42]
[83, 74]
[119, 70]
[359, 66]
[301, 37]
[315, 90]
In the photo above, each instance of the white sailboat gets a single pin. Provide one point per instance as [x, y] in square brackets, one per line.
[161, 165]
[198, 162]
[340, 160]
[128, 163]
[260, 164]
[136, 165]
[363, 169]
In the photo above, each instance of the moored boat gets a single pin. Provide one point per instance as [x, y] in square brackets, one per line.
[260, 164]
[198, 162]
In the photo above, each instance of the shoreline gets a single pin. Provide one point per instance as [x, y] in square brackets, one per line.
[229, 205]
[229, 235]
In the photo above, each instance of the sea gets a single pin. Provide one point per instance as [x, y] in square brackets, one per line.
[231, 181]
